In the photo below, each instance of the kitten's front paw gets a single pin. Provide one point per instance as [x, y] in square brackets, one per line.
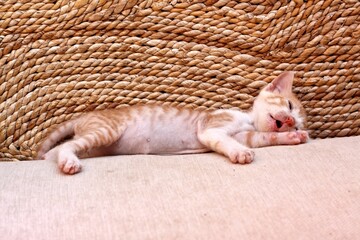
[297, 137]
[242, 157]
[303, 136]
[69, 164]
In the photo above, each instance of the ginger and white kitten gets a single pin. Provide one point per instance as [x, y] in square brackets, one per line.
[276, 118]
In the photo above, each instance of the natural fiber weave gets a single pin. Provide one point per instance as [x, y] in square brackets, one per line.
[61, 58]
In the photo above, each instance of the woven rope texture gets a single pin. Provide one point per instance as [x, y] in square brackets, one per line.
[61, 58]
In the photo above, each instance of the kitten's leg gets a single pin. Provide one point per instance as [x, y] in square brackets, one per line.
[263, 139]
[218, 141]
[68, 161]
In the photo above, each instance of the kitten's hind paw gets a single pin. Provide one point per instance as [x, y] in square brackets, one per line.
[242, 157]
[69, 164]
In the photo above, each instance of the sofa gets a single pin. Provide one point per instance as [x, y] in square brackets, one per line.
[60, 59]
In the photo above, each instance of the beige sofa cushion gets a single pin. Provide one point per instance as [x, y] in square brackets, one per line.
[309, 191]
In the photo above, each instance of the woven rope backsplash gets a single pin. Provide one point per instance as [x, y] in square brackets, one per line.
[61, 58]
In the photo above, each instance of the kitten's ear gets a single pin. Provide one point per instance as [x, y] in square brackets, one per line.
[282, 84]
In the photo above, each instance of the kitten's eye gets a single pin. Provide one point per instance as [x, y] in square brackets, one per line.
[290, 105]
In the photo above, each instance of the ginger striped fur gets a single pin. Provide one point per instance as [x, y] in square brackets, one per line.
[277, 118]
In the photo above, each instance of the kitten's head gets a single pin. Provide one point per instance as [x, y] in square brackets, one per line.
[277, 109]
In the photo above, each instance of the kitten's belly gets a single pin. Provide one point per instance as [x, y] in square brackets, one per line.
[163, 139]
[158, 145]
[156, 131]
[147, 145]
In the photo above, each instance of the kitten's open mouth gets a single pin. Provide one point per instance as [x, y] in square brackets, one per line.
[278, 123]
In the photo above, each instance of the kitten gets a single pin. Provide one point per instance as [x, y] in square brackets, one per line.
[277, 117]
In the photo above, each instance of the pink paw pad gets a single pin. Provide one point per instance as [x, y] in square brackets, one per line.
[297, 137]
[69, 164]
[242, 157]
[303, 135]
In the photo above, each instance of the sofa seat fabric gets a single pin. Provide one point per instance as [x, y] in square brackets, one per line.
[309, 191]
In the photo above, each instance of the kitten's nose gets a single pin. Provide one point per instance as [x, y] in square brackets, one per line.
[290, 121]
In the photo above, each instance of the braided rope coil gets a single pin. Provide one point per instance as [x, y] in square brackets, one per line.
[61, 58]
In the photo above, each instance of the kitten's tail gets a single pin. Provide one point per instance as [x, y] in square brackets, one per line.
[64, 130]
